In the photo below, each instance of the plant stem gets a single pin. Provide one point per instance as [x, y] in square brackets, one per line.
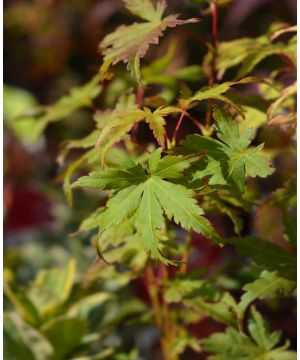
[153, 293]
[169, 330]
[214, 40]
[186, 253]
[139, 98]
[161, 311]
[178, 126]
[194, 36]
[214, 22]
[193, 120]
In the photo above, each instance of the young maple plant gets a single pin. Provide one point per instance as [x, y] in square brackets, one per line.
[159, 196]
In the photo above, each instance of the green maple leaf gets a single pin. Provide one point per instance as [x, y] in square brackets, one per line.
[179, 288]
[229, 161]
[150, 196]
[113, 155]
[267, 285]
[232, 53]
[260, 333]
[214, 201]
[256, 56]
[78, 97]
[119, 243]
[169, 167]
[112, 178]
[101, 118]
[86, 142]
[260, 345]
[130, 43]
[270, 255]
[178, 204]
[203, 297]
[123, 121]
[223, 310]
[216, 92]
[249, 52]
[150, 218]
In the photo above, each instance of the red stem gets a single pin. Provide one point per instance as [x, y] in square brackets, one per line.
[166, 139]
[139, 96]
[178, 125]
[214, 39]
[193, 120]
[214, 23]
[196, 37]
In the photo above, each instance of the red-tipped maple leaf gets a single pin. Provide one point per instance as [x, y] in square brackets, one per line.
[130, 43]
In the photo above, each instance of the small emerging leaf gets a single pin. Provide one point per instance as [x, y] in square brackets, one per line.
[123, 121]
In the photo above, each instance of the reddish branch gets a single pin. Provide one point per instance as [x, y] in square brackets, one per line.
[139, 98]
[214, 23]
[194, 36]
[178, 125]
[193, 120]
[214, 40]
[160, 310]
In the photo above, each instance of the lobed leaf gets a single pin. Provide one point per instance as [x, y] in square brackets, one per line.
[168, 167]
[123, 121]
[229, 161]
[255, 57]
[122, 205]
[150, 219]
[249, 52]
[267, 285]
[112, 178]
[150, 197]
[272, 256]
[261, 344]
[178, 203]
[130, 43]
[215, 92]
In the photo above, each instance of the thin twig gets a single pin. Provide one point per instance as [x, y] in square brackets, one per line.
[186, 253]
[214, 40]
[178, 125]
[139, 98]
[194, 36]
[154, 290]
[153, 293]
[193, 120]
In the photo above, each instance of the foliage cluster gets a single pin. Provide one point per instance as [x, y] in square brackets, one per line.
[155, 196]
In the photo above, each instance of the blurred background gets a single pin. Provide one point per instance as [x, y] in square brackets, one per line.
[49, 47]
